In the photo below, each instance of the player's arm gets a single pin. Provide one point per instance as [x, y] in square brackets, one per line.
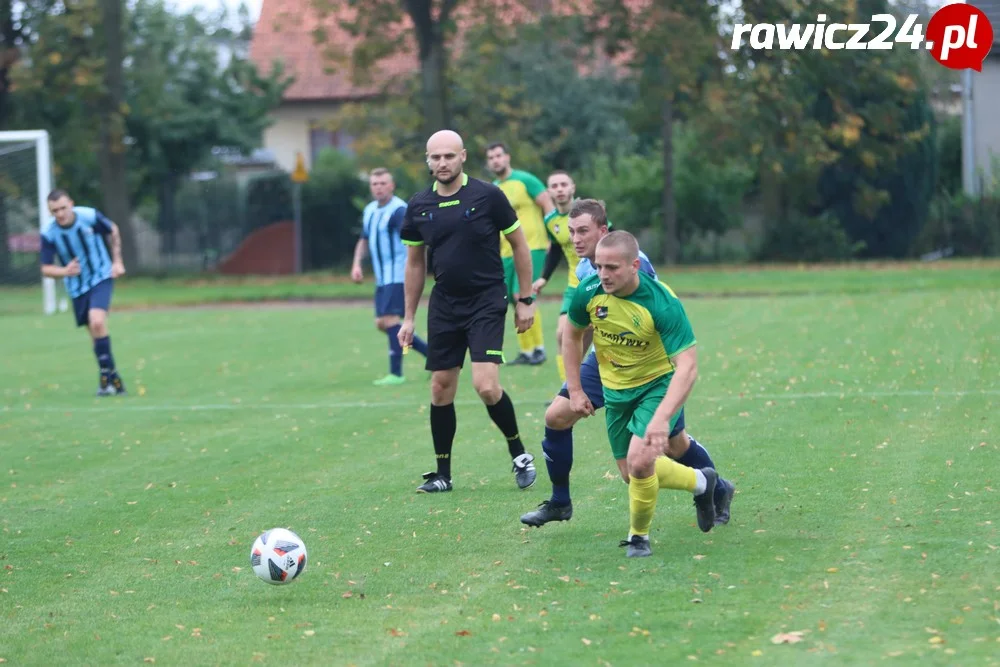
[578, 319]
[679, 342]
[49, 267]
[414, 278]
[111, 232]
[552, 259]
[522, 257]
[685, 374]
[415, 274]
[538, 192]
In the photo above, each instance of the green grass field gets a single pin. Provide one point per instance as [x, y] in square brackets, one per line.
[855, 409]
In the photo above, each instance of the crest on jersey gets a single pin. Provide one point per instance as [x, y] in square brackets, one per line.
[601, 312]
[636, 321]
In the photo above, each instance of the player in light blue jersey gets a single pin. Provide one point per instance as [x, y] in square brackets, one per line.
[588, 224]
[381, 222]
[78, 237]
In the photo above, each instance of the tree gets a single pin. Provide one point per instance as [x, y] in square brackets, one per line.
[672, 50]
[382, 26]
[114, 181]
[183, 102]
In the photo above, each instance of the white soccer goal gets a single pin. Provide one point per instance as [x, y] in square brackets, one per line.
[25, 183]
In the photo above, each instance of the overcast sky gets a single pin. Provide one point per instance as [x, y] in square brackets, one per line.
[212, 5]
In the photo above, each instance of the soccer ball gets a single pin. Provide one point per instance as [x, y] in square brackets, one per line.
[278, 556]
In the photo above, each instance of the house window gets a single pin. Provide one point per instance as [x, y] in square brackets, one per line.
[321, 136]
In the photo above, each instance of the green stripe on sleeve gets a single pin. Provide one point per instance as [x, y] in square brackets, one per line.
[512, 228]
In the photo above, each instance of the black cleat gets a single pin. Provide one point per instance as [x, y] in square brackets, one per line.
[705, 502]
[722, 506]
[537, 358]
[435, 483]
[520, 360]
[548, 512]
[638, 546]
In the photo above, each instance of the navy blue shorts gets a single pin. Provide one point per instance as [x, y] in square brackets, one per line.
[590, 378]
[390, 300]
[98, 296]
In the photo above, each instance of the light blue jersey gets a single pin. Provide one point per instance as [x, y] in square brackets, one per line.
[83, 241]
[381, 225]
[586, 268]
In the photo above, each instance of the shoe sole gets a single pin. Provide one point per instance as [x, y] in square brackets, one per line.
[728, 502]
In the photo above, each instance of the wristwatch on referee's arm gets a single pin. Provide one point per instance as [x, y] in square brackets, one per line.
[527, 300]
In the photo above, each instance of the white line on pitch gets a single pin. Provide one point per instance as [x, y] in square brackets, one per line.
[361, 405]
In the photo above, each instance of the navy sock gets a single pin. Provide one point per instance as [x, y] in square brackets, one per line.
[102, 350]
[395, 350]
[420, 345]
[558, 449]
[696, 456]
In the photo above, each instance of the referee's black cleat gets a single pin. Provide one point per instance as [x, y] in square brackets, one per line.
[704, 503]
[435, 483]
[537, 358]
[546, 512]
[524, 470]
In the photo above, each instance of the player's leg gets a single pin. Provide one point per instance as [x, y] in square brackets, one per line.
[445, 356]
[536, 333]
[389, 309]
[98, 303]
[557, 446]
[687, 451]
[668, 473]
[485, 331]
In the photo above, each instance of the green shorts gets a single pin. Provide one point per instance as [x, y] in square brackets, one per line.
[567, 300]
[510, 273]
[628, 412]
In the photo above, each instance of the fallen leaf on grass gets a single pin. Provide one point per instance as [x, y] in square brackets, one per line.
[757, 653]
[936, 639]
[395, 632]
[463, 633]
[788, 637]
[309, 633]
[586, 642]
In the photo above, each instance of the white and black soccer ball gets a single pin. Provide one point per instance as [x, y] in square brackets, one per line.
[278, 556]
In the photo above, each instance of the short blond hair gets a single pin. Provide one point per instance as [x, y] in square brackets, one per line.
[380, 171]
[623, 242]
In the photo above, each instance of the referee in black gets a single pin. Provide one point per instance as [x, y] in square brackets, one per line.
[460, 219]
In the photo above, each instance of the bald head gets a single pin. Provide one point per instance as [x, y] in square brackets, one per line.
[621, 242]
[445, 139]
[445, 157]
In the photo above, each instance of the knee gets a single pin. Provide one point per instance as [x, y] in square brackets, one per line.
[442, 386]
[97, 324]
[558, 416]
[380, 324]
[489, 389]
[639, 460]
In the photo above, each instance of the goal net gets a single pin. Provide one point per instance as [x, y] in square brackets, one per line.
[25, 182]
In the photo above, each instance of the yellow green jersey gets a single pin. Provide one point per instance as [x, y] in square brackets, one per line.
[557, 226]
[634, 336]
[521, 189]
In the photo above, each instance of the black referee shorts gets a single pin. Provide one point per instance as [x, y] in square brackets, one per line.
[474, 323]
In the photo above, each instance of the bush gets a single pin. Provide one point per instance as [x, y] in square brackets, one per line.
[964, 225]
[801, 238]
[332, 202]
[269, 200]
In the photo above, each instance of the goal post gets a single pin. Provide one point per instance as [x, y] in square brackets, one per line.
[26, 191]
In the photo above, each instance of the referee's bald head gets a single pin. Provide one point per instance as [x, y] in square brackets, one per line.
[444, 139]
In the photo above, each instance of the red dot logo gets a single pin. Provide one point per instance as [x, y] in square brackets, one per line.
[960, 36]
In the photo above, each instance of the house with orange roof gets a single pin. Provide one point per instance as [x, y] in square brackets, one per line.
[286, 31]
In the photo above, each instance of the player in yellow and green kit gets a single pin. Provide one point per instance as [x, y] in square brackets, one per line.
[647, 358]
[562, 189]
[532, 203]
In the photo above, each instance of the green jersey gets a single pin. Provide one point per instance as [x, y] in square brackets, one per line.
[635, 335]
